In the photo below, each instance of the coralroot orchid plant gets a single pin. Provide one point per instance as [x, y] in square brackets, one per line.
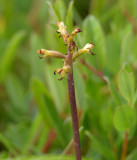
[67, 69]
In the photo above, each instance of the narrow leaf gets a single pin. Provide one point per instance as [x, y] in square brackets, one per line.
[69, 16]
[15, 91]
[80, 88]
[9, 54]
[57, 88]
[101, 148]
[7, 144]
[132, 155]
[47, 109]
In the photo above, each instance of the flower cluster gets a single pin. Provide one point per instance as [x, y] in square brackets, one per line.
[68, 39]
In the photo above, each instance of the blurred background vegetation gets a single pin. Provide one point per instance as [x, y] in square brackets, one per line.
[34, 105]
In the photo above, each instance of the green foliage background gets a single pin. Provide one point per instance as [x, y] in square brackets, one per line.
[32, 100]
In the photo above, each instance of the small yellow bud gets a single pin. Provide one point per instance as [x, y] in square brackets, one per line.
[70, 57]
[42, 52]
[89, 46]
[49, 53]
[77, 30]
[83, 50]
[62, 30]
[63, 71]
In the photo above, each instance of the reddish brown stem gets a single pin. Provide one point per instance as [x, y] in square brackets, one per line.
[98, 73]
[51, 137]
[125, 144]
[73, 108]
[131, 20]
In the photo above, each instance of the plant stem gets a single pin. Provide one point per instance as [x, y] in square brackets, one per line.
[98, 73]
[51, 137]
[73, 109]
[131, 20]
[125, 144]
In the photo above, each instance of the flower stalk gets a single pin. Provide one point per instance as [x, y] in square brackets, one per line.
[67, 69]
[73, 110]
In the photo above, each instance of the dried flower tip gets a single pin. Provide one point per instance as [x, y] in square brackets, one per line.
[89, 46]
[77, 30]
[41, 52]
[48, 53]
[92, 53]
[63, 71]
[60, 78]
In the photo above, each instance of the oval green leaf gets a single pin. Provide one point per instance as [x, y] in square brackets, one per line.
[124, 118]
[126, 85]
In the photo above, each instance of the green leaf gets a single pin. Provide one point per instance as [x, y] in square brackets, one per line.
[53, 13]
[134, 101]
[69, 16]
[113, 54]
[77, 16]
[57, 157]
[80, 88]
[9, 54]
[57, 88]
[16, 92]
[17, 134]
[106, 121]
[127, 48]
[132, 155]
[97, 6]
[124, 118]
[59, 9]
[100, 147]
[7, 144]
[126, 85]
[92, 33]
[37, 65]
[47, 109]
[35, 130]
[117, 97]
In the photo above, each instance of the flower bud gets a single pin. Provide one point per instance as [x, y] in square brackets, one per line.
[77, 30]
[62, 29]
[49, 53]
[83, 50]
[63, 71]
[89, 46]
